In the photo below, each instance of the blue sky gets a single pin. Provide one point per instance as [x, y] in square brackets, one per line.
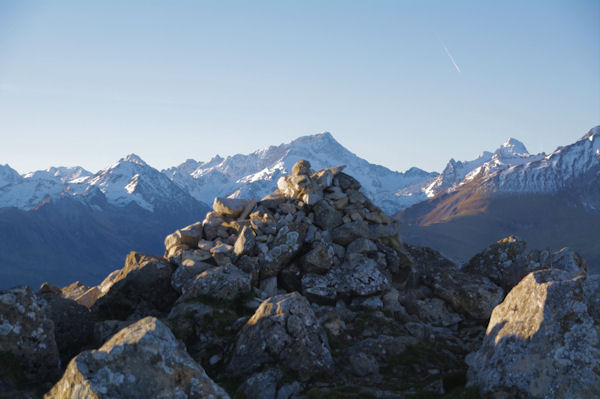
[84, 83]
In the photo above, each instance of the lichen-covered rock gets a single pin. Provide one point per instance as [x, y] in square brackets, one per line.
[142, 360]
[73, 325]
[468, 293]
[326, 216]
[186, 272]
[283, 330]
[223, 282]
[262, 385]
[142, 287]
[543, 340]
[506, 262]
[27, 345]
[229, 207]
[360, 277]
[319, 259]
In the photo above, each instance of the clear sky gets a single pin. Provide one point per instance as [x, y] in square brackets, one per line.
[400, 83]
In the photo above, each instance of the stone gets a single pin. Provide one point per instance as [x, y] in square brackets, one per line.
[222, 253]
[28, 351]
[286, 245]
[187, 272]
[543, 340]
[506, 262]
[223, 282]
[346, 182]
[283, 330]
[72, 291]
[187, 236]
[212, 221]
[326, 216]
[73, 325]
[268, 287]
[142, 287]
[187, 319]
[301, 167]
[142, 360]
[348, 232]
[361, 245]
[245, 242]
[319, 259]
[434, 311]
[363, 364]
[470, 294]
[248, 209]
[229, 207]
[261, 385]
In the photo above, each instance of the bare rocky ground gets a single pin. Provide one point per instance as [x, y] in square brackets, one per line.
[310, 293]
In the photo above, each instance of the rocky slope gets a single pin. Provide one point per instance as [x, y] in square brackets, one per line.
[308, 292]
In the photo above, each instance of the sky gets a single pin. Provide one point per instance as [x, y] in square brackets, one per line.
[399, 83]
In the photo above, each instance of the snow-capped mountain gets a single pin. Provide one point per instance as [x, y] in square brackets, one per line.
[256, 174]
[554, 172]
[26, 192]
[132, 180]
[511, 153]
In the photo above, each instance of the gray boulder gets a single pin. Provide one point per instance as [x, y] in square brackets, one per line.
[142, 287]
[283, 330]
[506, 262]
[229, 207]
[543, 340]
[223, 282]
[143, 360]
[468, 293]
[28, 351]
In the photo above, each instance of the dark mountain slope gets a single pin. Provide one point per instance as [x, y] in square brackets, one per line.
[66, 239]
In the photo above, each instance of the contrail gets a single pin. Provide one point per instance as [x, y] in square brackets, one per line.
[452, 59]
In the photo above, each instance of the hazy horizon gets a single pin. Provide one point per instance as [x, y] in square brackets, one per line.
[400, 84]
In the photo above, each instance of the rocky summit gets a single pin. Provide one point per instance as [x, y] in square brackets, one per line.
[309, 292]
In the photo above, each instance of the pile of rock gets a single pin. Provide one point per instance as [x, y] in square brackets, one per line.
[317, 234]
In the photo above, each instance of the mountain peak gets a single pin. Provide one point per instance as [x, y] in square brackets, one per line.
[133, 158]
[592, 133]
[513, 147]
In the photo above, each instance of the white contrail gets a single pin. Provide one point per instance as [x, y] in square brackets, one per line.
[452, 59]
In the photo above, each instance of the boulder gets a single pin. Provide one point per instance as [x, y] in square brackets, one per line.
[283, 330]
[143, 360]
[506, 262]
[326, 216]
[187, 236]
[245, 242]
[28, 351]
[229, 207]
[301, 167]
[543, 340]
[73, 325]
[262, 385]
[319, 259]
[348, 232]
[142, 287]
[223, 282]
[468, 293]
[187, 272]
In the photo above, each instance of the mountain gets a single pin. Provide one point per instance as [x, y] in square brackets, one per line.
[511, 153]
[256, 174]
[64, 224]
[552, 200]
